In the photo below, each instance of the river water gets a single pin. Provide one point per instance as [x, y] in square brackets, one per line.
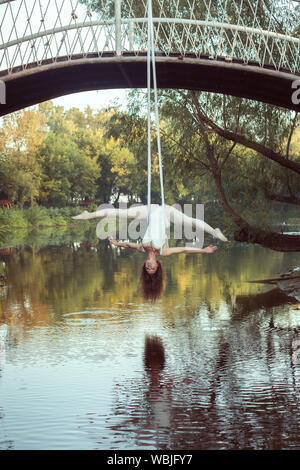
[85, 363]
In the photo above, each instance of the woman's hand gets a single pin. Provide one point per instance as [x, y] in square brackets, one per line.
[112, 241]
[209, 249]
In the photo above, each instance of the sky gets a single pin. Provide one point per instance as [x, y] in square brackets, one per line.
[95, 99]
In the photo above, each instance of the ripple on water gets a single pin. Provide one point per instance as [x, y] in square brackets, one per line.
[82, 369]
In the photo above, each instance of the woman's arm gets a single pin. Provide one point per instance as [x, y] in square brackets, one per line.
[135, 246]
[187, 250]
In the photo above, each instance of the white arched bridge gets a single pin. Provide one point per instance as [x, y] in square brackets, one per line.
[246, 48]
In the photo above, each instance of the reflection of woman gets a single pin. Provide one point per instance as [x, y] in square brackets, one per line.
[159, 395]
[154, 356]
[155, 240]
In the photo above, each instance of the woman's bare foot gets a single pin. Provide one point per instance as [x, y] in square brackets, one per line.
[219, 235]
[82, 216]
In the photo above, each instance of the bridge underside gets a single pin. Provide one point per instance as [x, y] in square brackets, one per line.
[48, 80]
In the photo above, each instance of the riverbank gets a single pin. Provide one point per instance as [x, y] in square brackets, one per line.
[37, 217]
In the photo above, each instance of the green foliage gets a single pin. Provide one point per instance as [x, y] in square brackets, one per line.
[92, 207]
[4, 231]
[65, 212]
[36, 216]
[59, 220]
[13, 218]
[198, 154]
[55, 158]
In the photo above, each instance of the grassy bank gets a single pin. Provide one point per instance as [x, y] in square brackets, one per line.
[37, 216]
[37, 238]
[37, 226]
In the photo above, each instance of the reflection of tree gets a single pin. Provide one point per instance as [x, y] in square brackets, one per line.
[45, 283]
[219, 402]
[224, 379]
[246, 304]
[266, 302]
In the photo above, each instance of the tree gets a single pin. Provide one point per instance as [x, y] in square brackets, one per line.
[20, 172]
[131, 131]
[68, 173]
[242, 145]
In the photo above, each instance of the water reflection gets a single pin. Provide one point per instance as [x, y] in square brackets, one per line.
[2, 353]
[213, 364]
[229, 400]
[67, 279]
[159, 393]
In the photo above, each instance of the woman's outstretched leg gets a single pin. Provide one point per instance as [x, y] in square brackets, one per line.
[179, 217]
[132, 213]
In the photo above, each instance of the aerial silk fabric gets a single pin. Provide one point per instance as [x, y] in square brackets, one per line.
[156, 230]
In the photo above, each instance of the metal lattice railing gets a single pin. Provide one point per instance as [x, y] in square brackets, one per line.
[263, 32]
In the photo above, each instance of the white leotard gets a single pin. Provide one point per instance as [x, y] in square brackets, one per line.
[156, 230]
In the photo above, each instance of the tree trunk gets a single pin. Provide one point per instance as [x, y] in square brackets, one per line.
[273, 240]
[286, 199]
[21, 198]
[240, 139]
[246, 233]
[230, 211]
[117, 198]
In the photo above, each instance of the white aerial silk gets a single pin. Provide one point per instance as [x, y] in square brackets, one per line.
[156, 231]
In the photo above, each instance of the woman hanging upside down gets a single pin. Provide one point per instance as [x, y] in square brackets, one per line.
[155, 240]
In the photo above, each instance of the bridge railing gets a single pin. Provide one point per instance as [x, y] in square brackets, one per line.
[45, 31]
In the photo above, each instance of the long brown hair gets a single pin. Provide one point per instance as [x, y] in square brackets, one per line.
[152, 284]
